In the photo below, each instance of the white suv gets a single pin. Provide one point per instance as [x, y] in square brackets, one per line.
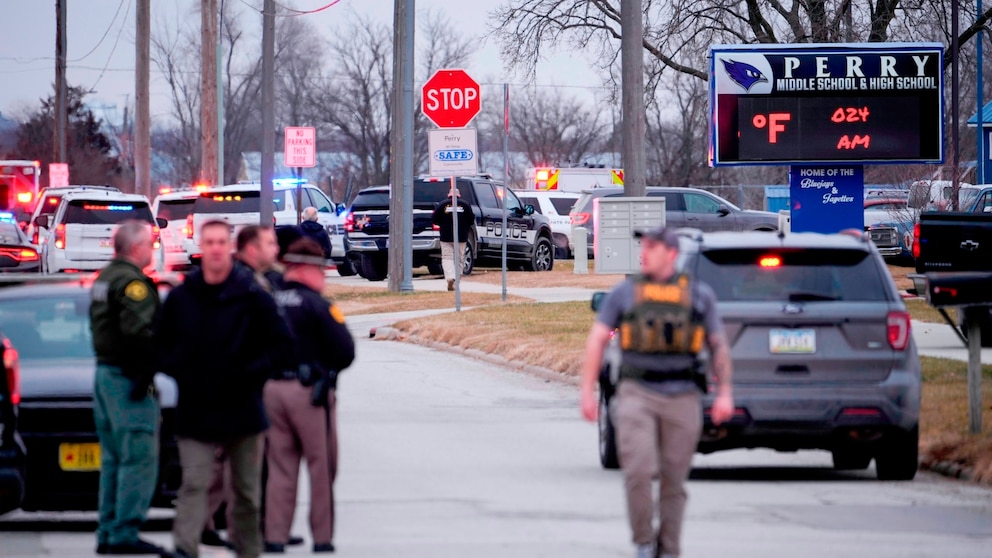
[174, 207]
[79, 235]
[555, 205]
[48, 202]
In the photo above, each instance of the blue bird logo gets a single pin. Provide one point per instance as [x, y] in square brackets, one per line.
[743, 74]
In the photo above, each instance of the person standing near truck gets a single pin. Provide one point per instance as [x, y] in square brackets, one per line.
[443, 218]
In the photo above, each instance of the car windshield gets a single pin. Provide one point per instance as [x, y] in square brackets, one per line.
[791, 275]
[48, 327]
[378, 198]
[562, 205]
[235, 202]
[175, 210]
[89, 212]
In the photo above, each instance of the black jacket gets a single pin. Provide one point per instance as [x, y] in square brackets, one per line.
[446, 227]
[221, 343]
[316, 231]
[321, 334]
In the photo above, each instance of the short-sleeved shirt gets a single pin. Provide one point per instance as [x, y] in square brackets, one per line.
[621, 300]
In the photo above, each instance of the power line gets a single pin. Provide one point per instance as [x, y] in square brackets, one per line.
[114, 49]
[305, 12]
[105, 33]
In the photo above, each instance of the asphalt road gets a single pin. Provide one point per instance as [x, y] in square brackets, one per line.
[445, 456]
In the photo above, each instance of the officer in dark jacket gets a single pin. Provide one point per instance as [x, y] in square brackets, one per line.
[311, 228]
[301, 403]
[124, 308]
[221, 338]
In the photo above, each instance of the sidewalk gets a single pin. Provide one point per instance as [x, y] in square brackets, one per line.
[939, 340]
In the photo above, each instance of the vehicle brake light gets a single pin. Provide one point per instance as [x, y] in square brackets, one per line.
[20, 254]
[898, 325]
[349, 223]
[916, 245]
[12, 364]
[188, 229]
[24, 197]
[156, 238]
[579, 219]
[770, 261]
[861, 412]
[60, 236]
[435, 228]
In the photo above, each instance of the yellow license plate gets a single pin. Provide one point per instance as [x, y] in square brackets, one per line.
[79, 457]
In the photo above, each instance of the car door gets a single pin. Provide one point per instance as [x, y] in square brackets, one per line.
[707, 213]
[674, 208]
[521, 231]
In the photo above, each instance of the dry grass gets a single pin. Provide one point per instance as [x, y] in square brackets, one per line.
[921, 310]
[562, 275]
[944, 417]
[368, 300]
[899, 274]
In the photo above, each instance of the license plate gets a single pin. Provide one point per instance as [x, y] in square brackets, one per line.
[106, 244]
[79, 457]
[792, 341]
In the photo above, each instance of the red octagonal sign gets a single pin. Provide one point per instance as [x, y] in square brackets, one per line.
[451, 99]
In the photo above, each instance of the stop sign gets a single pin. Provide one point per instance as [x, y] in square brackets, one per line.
[450, 99]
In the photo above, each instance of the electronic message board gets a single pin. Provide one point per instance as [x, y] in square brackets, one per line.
[827, 103]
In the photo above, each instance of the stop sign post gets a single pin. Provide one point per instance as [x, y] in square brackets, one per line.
[451, 99]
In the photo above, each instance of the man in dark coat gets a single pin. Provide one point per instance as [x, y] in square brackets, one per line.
[444, 219]
[311, 228]
[221, 338]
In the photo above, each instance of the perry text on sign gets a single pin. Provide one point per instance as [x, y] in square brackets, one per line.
[453, 152]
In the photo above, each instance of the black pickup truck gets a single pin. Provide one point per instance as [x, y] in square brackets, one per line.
[953, 242]
[528, 243]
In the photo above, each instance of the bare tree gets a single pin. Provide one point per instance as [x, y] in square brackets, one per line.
[553, 129]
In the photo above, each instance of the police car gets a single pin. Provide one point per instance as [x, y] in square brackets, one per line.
[48, 202]
[174, 207]
[17, 254]
[79, 235]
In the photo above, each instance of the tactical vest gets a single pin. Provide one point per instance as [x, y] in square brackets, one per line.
[662, 320]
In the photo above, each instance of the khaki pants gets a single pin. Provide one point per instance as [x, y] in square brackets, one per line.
[448, 258]
[198, 459]
[656, 432]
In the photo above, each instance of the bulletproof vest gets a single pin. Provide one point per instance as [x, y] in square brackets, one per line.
[662, 320]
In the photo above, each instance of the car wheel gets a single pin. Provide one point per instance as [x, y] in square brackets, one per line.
[898, 455]
[468, 258]
[434, 267]
[608, 457]
[543, 258]
[345, 269]
[849, 459]
[374, 267]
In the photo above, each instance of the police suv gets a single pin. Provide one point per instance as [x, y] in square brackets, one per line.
[528, 239]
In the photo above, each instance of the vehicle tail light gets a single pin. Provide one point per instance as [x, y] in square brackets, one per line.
[156, 237]
[20, 254]
[349, 223]
[435, 228]
[898, 324]
[24, 198]
[188, 229]
[579, 219]
[861, 412]
[12, 363]
[60, 236]
[916, 245]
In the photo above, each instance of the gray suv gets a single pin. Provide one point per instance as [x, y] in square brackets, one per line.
[821, 345]
[684, 207]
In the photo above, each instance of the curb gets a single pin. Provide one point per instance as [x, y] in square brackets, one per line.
[392, 334]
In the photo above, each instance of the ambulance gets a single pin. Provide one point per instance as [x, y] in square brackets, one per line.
[575, 179]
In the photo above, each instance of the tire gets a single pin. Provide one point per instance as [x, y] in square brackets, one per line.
[850, 459]
[608, 457]
[434, 267]
[898, 455]
[374, 267]
[543, 258]
[345, 269]
[468, 257]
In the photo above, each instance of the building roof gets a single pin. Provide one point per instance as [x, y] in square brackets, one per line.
[986, 117]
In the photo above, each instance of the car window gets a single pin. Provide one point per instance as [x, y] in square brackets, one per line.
[513, 203]
[698, 203]
[985, 203]
[89, 212]
[175, 210]
[235, 202]
[49, 205]
[378, 199]
[320, 201]
[786, 275]
[487, 197]
[673, 201]
[9, 234]
[48, 327]
[532, 201]
[562, 205]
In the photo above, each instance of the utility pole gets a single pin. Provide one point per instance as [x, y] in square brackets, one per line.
[61, 110]
[268, 109]
[632, 78]
[142, 111]
[955, 109]
[401, 151]
[208, 91]
[220, 95]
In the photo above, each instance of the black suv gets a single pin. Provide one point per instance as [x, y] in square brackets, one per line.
[821, 345]
[12, 453]
[528, 243]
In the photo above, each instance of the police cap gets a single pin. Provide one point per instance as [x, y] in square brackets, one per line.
[661, 234]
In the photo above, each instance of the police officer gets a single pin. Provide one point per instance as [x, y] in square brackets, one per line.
[663, 319]
[301, 403]
[123, 311]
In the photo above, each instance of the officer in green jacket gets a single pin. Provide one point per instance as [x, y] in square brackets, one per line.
[123, 311]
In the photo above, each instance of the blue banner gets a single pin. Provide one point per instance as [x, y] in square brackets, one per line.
[827, 199]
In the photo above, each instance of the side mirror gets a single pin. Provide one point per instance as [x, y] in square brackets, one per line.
[723, 210]
[41, 221]
[162, 222]
[597, 300]
[528, 209]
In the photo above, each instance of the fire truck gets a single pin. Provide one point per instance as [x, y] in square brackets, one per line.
[575, 179]
[19, 187]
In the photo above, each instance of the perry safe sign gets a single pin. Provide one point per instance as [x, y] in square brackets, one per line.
[830, 103]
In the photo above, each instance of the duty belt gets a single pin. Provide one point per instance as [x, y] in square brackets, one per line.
[633, 372]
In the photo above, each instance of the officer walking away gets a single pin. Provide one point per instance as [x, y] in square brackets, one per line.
[221, 338]
[663, 319]
[312, 229]
[442, 217]
[301, 404]
[123, 313]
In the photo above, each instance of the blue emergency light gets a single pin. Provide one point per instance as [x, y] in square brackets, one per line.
[7, 217]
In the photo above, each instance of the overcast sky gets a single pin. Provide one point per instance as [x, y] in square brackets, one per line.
[100, 47]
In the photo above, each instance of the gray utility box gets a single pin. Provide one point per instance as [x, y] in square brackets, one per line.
[617, 251]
